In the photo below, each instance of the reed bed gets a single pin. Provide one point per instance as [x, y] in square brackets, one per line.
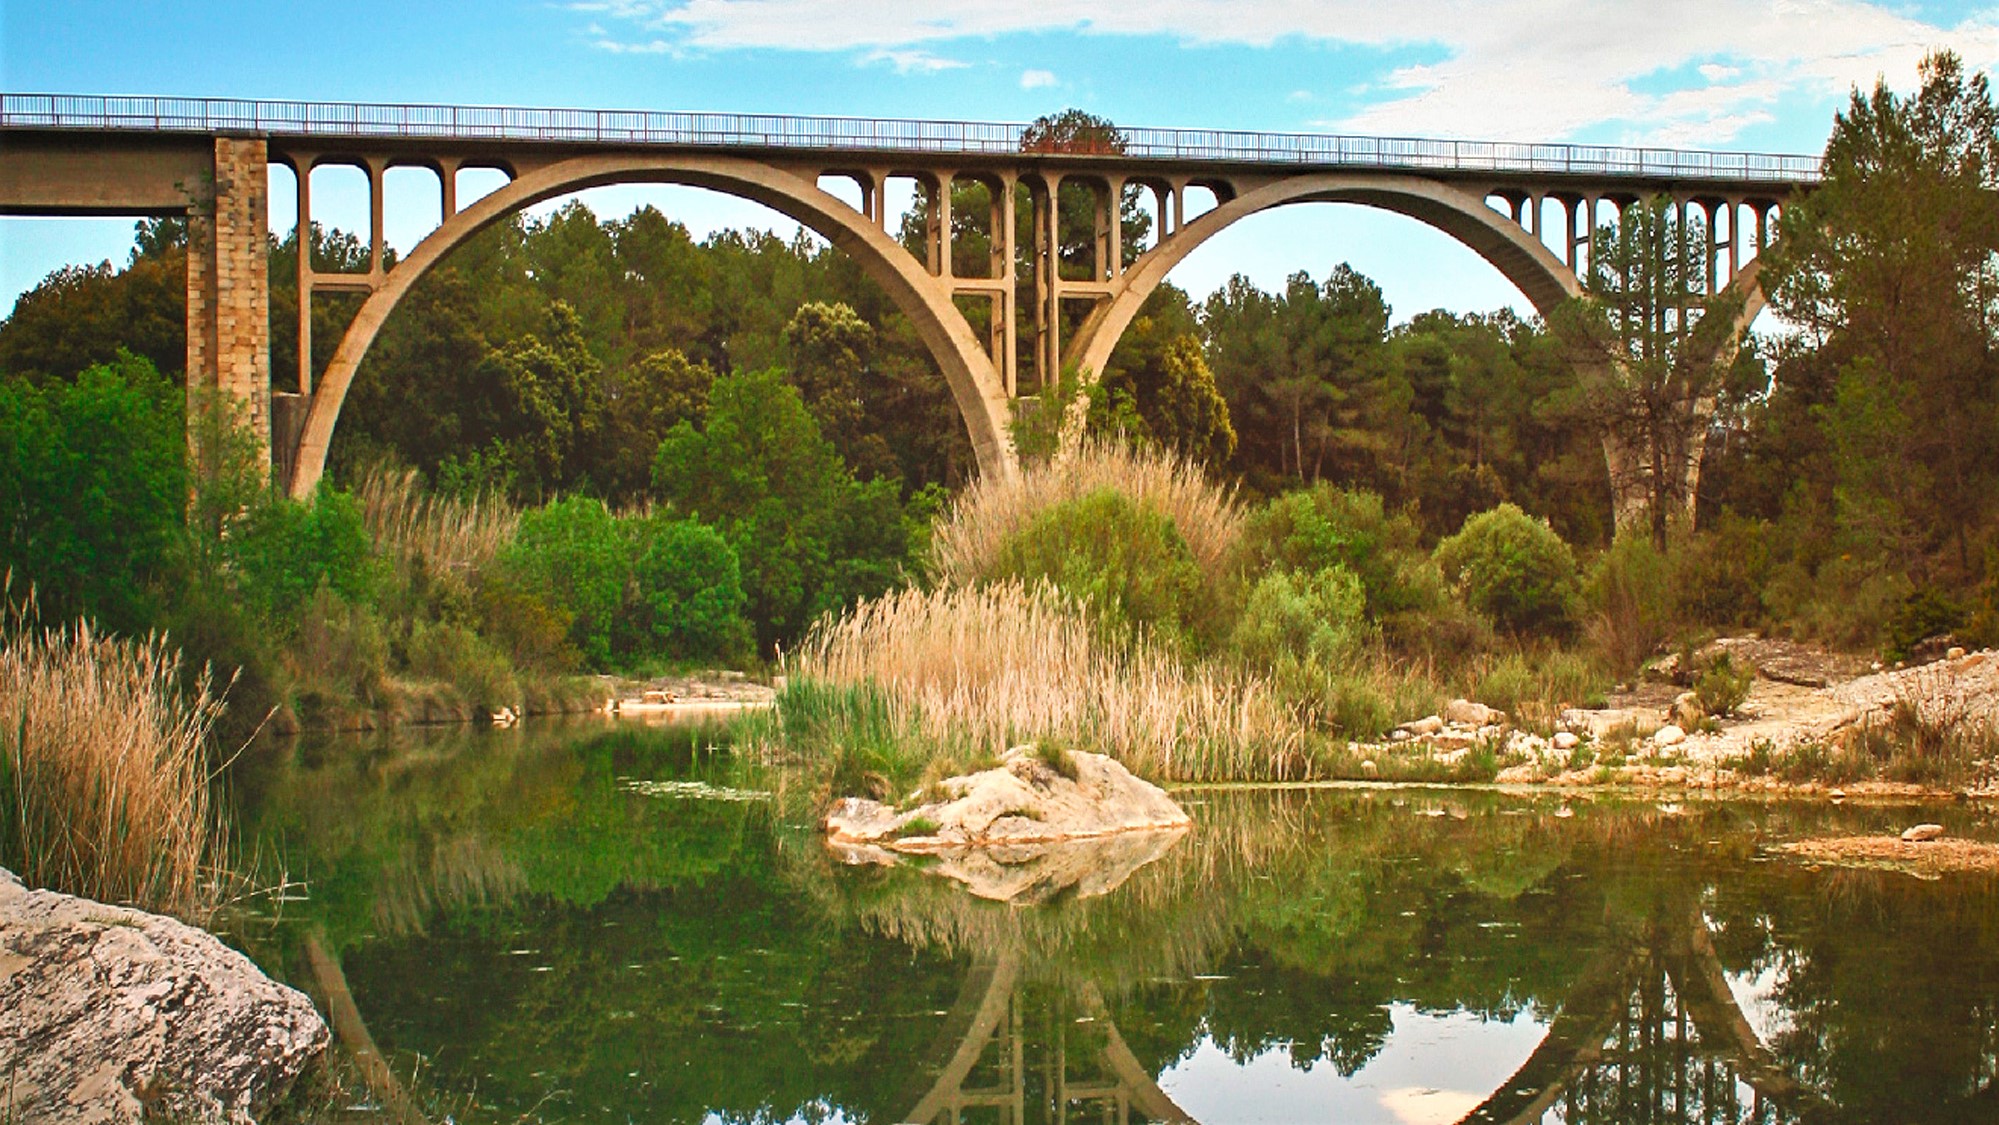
[448, 533]
[999, 664]
[104, 777]
[966, 541]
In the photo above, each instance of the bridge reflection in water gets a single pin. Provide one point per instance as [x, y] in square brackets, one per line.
[1650, 1032]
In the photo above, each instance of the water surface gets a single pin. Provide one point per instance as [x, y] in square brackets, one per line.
[536, 935]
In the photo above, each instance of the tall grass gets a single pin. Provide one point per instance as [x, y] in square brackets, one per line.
[995, 665]
[448, 533]
[104, 778]
[966, 542]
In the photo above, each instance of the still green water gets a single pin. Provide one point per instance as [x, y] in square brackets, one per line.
[535, 935]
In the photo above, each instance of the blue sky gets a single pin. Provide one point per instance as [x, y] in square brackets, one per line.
[1738, 74]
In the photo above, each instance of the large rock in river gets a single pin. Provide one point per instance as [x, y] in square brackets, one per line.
[109, 1014]
[1023, 800]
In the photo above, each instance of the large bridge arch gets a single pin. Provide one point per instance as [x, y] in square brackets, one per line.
[1518, 255]
[968, 370]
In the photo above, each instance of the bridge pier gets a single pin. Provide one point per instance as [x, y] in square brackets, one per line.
[228, 296]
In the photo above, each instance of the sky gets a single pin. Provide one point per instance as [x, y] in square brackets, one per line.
[1757, 75]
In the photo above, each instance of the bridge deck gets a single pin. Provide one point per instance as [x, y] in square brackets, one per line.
[862, 136]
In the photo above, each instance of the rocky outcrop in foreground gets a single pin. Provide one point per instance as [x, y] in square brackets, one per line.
[109, 1014]
[1023, 831]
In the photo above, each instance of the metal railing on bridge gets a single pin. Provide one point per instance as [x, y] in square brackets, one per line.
[887, 135]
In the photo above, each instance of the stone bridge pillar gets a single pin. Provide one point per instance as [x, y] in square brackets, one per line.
[228, 293]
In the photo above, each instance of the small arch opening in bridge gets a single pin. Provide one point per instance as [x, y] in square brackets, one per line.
[412, 204]
[342, 202]
[477, 181]
[851, 188]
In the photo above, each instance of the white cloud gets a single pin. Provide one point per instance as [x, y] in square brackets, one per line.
[1036, 79]
[619, 47]
[1541, 69]
[913, 61]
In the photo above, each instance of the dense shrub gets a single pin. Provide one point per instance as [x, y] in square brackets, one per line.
[687, 598]
[92, 486]
[458, 656]
[284, 551]
[808, 537]
[1314, 618]
[1513, 568]
[1629, 597]
[570, 555]
[1316, 528]
[1124, 561]
[1719, 573]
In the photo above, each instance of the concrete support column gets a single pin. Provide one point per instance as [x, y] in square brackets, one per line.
[944, 183]
[1051, 237]
[302, 170]
[1006, 267]
[228, 293]
[1709, 210]
[377, 240]
[1114, 204]
[447, 180]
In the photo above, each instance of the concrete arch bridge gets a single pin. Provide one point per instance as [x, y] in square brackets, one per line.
[1531, 210]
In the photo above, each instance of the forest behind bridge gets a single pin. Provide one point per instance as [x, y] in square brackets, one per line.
[589, 444]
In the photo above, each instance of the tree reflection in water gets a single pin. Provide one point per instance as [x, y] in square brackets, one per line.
[550, 944]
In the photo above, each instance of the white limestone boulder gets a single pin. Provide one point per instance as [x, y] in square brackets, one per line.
[111, 1015]
[1023, 800]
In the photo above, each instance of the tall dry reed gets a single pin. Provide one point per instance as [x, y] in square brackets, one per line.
[448, 533]
[1000, 664]
[966, 541]
[104, 776]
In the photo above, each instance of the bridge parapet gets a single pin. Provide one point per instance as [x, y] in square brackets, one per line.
[1142, 144]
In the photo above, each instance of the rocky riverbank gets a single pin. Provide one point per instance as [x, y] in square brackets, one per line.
[110, 1016]
[1812, 722]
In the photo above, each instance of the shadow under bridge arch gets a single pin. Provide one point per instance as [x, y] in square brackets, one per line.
[967, 367]
[1460, 212]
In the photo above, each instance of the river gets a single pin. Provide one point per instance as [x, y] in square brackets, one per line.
[590, 923]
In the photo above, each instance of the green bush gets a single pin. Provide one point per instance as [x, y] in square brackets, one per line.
[687, 593]
[1314, 618]
[462, 658]
[1126, 562]
[1513, 568]
[284, 551]
[339, 653]
[92, 487]
[1925, 613]
[808, 537]
[571, 555]
[533, 631]
[1323, 526]
[1629, 595]
[1719, 573]
[1722, 686]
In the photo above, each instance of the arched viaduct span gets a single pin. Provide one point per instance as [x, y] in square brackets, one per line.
[208, 159]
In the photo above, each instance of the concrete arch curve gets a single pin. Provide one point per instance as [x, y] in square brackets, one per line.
[1520, 256]
[975, 386]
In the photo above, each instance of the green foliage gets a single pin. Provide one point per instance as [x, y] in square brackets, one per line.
[688, 601]
[82, 317]
[283, 551]
[92, 483]
[1319, 618]
[457, 655]
[1159, 388]
[1628, 593]
[1722, 686]
[1126, 562]
[571, 555]
[1513, 568]
[808, 537]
